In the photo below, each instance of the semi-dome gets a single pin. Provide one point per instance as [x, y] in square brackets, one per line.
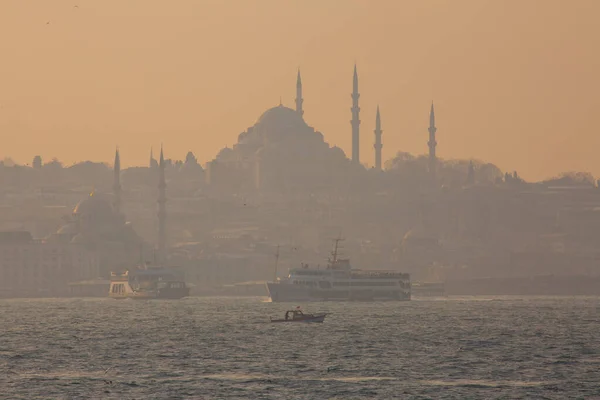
[224, 153]
[93, 205]
[337, 151]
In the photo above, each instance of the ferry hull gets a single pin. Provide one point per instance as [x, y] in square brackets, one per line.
[281, 292]
[173, 293]
[152, 295]
[125, 291]
[286, 292]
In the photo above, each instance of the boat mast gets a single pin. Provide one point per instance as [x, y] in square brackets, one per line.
[276, 262]
[334, 253]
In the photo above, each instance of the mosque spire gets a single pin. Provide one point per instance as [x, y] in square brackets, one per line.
[117, 182]
[299, 99]
[378, 145]
[162, 210]
[355, 122]
[432, 143]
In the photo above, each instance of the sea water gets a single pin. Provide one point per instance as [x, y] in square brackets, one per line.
[204, 348]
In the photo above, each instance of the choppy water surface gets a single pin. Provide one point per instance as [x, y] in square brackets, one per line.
[226, 348]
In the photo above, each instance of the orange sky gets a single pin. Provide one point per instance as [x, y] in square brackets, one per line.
[515, 82]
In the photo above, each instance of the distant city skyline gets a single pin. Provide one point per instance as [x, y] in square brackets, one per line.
[513, 84]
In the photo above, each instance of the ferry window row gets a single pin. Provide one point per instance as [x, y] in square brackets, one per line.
[380, 275]
[355, 284]
[314, 273]
[307, 283]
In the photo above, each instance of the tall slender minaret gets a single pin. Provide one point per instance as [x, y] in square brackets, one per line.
[117, 182]
[299, 99]
[432, 143]
[355, 119]
[162, 210]
[378, 145]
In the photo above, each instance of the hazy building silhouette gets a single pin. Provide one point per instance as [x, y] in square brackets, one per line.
[280, 153]
[282, 181]
[97, 226]
[37, 162]
[34, 268]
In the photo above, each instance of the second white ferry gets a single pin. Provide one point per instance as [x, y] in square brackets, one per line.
[338, 281]
[145, 282]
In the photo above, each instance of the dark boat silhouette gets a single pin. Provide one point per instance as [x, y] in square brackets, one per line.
[299, 316]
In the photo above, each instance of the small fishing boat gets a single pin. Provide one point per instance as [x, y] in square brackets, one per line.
[298, 316]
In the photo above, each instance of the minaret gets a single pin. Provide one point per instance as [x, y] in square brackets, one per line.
[378, 145]
[162, 210]
[355, 119]
[432, 143]
[299, 99]
[117, 182]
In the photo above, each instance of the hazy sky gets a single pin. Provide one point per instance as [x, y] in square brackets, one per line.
[515, 82]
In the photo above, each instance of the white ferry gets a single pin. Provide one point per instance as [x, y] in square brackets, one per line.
[338, 281]
[147, 283]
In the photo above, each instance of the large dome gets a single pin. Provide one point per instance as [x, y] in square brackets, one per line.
[280, 118]
[93, 205]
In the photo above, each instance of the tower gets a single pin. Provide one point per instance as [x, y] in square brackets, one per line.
[162, 210]
[378, 145]
[355, 119]
[117, 182]
[432, 143]
[299, 99]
